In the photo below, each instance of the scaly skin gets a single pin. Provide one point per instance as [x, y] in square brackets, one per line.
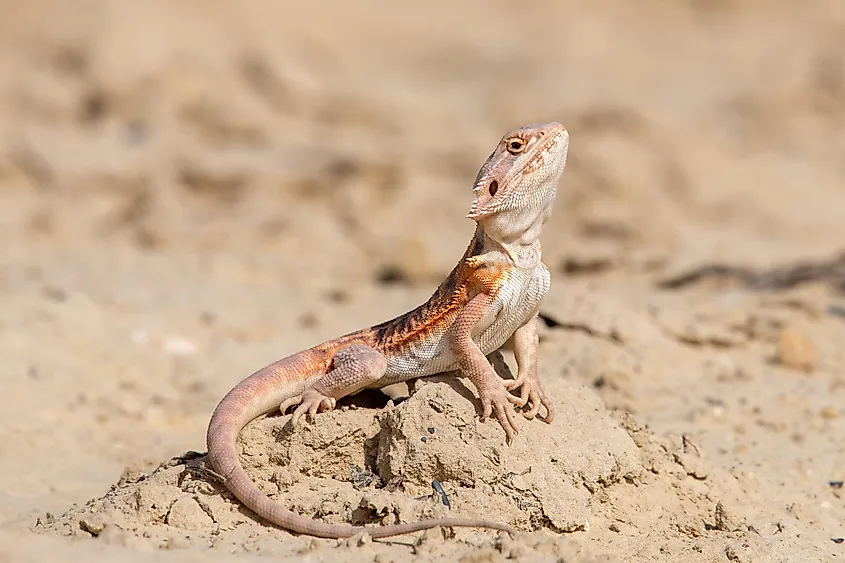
[489, 300]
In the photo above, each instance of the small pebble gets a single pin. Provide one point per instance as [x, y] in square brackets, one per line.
[179, 346]
[138, 336]
[424, 438]
[431, 430]
[836, 310]
[838, 540]
[836, 484]
[829, 413]
[796, 351]
[187, 514]
[93, 527]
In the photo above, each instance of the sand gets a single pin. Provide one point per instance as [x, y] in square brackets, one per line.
[192, 190]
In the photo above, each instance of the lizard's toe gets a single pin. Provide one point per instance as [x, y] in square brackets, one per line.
[297, 414]
[534, 405]
[486, 408]
[503, 412]
[550, 410]
[288, 403]
[511, 384]
[320, 405]
[310, 403]
[504, 415]
[518, 383]
[538, 400]
[516, 401]
[533, 397]
[497, 403]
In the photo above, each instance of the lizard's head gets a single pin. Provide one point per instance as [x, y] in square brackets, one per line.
[516, 187]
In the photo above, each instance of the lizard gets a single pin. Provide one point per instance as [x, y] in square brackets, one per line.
[491, 299]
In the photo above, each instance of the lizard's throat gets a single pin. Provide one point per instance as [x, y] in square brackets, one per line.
[517, 234]
[522, 252]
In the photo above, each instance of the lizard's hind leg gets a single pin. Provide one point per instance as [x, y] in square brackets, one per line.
[353, 368]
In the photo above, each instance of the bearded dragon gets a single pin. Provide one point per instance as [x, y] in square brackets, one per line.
[489, 300]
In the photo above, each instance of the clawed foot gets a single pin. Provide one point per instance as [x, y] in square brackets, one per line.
[310, 403]
[532, 395]
[499, 404]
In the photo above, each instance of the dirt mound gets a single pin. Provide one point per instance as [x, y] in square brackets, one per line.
[588, 471]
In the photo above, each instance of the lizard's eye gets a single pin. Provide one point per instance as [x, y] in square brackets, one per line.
[515, 145]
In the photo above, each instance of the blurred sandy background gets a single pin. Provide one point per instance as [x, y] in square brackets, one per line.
[190, 190]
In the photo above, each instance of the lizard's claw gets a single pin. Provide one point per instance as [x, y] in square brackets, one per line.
[499, 405]
[310, 403]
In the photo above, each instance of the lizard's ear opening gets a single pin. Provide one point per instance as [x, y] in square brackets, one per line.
[493, 188]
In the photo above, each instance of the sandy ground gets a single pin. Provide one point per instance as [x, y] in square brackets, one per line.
[191, 190]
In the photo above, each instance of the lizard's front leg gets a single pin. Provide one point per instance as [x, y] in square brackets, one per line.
[525, 342]
[354, 367]
[495, 399]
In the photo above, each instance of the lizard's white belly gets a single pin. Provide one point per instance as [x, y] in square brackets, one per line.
[516, 302]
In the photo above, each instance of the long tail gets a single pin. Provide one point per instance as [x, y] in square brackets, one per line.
[261, 393]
